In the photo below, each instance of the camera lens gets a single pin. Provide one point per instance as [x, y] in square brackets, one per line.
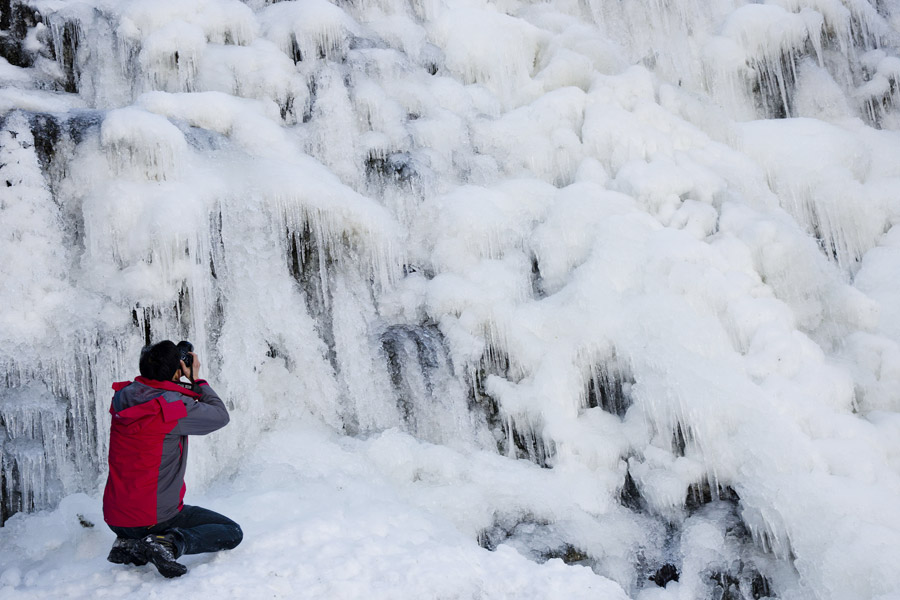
[186, 348]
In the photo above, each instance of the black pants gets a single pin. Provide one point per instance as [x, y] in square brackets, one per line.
[195, 530]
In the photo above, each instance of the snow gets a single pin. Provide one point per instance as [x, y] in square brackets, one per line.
[506, 299]
[308, 29]
[353, 519]
[126, 134]
[484, 46]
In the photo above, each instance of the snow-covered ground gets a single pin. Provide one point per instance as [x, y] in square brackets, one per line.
[323, 517]
[506, 298]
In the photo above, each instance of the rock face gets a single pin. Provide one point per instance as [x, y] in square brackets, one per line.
[644, 253]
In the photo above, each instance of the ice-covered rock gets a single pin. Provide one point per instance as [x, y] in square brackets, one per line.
[605, 286]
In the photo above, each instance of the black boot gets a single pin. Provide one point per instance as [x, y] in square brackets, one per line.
[123, 553]
[160, 549]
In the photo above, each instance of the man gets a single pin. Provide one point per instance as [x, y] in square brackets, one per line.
[152, 418]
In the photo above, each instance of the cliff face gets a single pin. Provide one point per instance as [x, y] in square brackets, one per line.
[648, 246]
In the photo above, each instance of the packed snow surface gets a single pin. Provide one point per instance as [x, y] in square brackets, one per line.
[507, 299]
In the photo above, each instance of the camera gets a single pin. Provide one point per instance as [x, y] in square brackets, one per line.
[185, 348]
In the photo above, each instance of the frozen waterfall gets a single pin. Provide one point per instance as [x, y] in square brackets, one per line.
[574, 298]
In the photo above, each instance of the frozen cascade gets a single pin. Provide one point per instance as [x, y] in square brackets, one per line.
[431, 400]
[34, 446]
[597, 283]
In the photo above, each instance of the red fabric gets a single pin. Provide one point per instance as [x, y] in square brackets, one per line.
[135, 451]
[172, 411]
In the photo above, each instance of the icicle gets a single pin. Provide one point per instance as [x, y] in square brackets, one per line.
[169, 57]
[310, 30]
[35, 447]
[431, 402]
[608, 385]
[143, 144]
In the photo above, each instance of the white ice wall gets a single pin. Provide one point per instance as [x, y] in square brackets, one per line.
[697, 200]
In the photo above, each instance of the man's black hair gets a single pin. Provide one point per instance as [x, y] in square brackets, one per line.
[160, 361]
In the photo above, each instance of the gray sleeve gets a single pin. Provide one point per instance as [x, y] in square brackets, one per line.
[204, 415]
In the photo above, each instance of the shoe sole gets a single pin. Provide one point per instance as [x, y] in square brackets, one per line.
[121, 556]
[166, 568]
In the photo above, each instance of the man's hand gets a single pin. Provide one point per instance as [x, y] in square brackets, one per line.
[192, 372]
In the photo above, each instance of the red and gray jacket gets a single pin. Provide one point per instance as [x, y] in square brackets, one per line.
[148, 447]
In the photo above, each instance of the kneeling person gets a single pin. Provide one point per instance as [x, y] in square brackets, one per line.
[152, 418]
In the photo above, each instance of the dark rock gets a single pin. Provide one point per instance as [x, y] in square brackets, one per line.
[16, 19]
[630, 496]
[309, 261]
[569, 554]
[504, 527]
[679, 441]
[726, 586]
[525, 444]
[775, 84]
[537, 281]
[79, 124]
[432, 58]
[490, 363]
[312, 86]
[664, 575]
[46, 131]
[701, 493]
[760, 587]
[608, 387]
[536, 539]
[5, 14]
[296, 54]
[362, 43]
[404, 342]
[397, 166]
[529, 446]
[11, 49]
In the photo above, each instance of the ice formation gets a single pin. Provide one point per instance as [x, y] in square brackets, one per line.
[599, 297]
